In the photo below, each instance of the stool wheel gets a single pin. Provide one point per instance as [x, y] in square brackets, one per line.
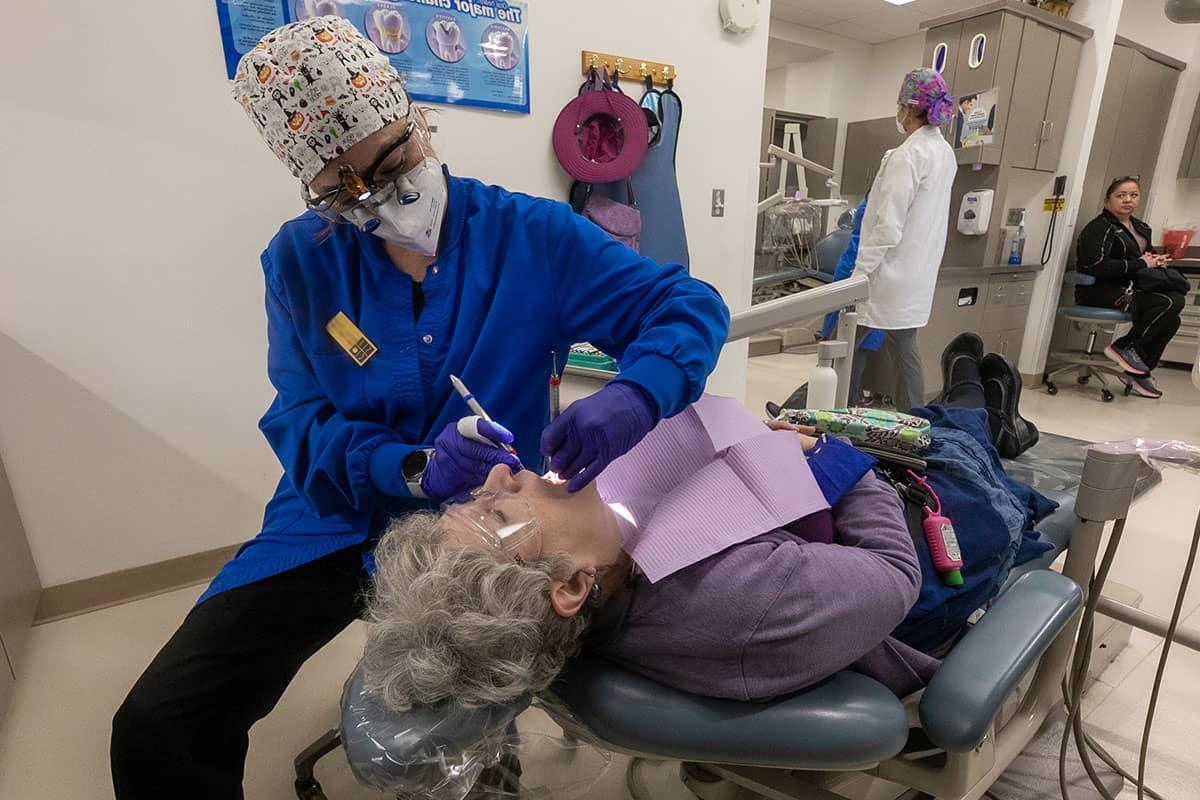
[1106, 396]
[1082, 380]
[1052, 389]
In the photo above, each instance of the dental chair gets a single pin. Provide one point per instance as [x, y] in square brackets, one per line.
[847, 737]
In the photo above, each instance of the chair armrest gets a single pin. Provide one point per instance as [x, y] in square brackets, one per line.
[982, 670]
[1078, 279]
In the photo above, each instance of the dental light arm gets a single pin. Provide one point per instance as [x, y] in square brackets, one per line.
[774, 153]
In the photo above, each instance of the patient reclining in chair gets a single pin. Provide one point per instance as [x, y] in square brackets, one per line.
[717, 557]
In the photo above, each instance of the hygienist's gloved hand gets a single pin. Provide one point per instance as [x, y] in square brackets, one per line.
[597, 430]
[464, 454]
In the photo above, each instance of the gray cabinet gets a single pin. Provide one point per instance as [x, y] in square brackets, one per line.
[19, 590]
[993, 305]
[1058, 102]
[1027, 118]
[1138, 91]
[866, 142]
[1189, 164]
[1031, 58]
[1041, 97]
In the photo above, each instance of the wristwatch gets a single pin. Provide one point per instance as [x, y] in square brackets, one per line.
[413, 469]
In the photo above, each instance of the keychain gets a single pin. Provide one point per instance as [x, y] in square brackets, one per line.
[940, 535]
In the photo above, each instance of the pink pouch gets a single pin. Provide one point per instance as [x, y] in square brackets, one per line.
[621, 222]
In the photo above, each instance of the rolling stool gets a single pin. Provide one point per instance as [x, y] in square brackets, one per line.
[1088, 362]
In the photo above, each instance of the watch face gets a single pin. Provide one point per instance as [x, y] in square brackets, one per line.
[414, 464]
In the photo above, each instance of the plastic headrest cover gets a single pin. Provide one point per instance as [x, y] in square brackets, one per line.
[423, 748]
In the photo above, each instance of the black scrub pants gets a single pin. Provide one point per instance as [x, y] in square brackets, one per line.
[1155, 318]
[184, 729]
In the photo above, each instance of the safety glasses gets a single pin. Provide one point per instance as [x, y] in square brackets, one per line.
[501, 521]
[356, 197]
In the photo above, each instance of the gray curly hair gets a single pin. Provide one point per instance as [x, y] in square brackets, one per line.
[461, 624]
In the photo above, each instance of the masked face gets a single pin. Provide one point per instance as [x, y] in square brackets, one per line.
[418, 225]
[901, 116]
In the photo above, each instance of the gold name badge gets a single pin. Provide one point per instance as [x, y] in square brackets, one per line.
[352, 340]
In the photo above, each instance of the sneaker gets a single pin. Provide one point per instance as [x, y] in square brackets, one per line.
[1127, 359]
[1143, 386]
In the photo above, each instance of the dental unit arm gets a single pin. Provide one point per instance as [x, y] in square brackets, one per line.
[776, 153]
[839, 296]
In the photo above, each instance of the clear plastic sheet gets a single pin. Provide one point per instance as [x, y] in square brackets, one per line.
[1168, 452]
[448, 752]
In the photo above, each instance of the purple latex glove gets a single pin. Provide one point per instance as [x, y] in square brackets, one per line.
[597, 430]
[461, 462]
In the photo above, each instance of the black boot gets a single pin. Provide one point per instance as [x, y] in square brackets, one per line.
[1011, 433]
[965, 345]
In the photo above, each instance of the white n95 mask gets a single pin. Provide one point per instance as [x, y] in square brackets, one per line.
[417, 225]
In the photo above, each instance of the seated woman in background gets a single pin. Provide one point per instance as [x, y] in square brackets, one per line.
[1115, 249]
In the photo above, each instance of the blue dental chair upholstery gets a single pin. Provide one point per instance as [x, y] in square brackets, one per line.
[848, 722]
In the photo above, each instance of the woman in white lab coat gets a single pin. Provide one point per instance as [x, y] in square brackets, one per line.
[904, 232]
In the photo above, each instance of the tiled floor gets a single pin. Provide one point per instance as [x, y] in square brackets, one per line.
[54, 739]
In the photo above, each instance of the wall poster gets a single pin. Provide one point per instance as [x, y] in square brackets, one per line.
[975, 118]
[469, 52]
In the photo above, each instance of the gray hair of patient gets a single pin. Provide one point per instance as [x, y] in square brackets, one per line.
[461, 623]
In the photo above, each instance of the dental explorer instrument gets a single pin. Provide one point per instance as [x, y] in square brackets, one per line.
[473, 404]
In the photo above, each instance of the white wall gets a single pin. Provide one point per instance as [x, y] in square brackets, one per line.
[131, 249]
[1145, 22]
[855, 81]
[774, 93]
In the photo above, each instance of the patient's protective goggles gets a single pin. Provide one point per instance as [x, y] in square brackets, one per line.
[502, 521]
[357, 197]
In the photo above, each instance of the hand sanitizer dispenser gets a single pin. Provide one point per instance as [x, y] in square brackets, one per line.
[975, 213]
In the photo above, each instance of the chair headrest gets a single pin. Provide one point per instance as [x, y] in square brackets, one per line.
[424, 748]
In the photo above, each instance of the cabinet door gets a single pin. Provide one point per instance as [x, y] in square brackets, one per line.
[1164, 81]
[951, 36]
[1031, 89]
[1098, 172]
[1058, 105]
[19, 586]
[957, 306]
[1189, 164]
[6, 683]
[968, 79]
[866, 142]
[1135, 125]
[1014, 340]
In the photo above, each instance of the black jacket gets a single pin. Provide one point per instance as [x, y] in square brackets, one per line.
[1107, 250]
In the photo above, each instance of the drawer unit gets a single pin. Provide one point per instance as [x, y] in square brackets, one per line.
[1182, 349]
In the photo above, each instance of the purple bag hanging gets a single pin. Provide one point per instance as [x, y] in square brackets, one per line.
[621, 222]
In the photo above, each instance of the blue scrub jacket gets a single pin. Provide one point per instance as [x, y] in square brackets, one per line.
[515, 278]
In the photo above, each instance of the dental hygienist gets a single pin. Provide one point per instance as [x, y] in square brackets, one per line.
[904, 232]
[398, 276]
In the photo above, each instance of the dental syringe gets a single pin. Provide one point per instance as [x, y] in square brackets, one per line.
[555, 408]
[555, 382]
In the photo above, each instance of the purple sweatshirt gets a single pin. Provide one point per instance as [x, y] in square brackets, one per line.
[777, 613]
